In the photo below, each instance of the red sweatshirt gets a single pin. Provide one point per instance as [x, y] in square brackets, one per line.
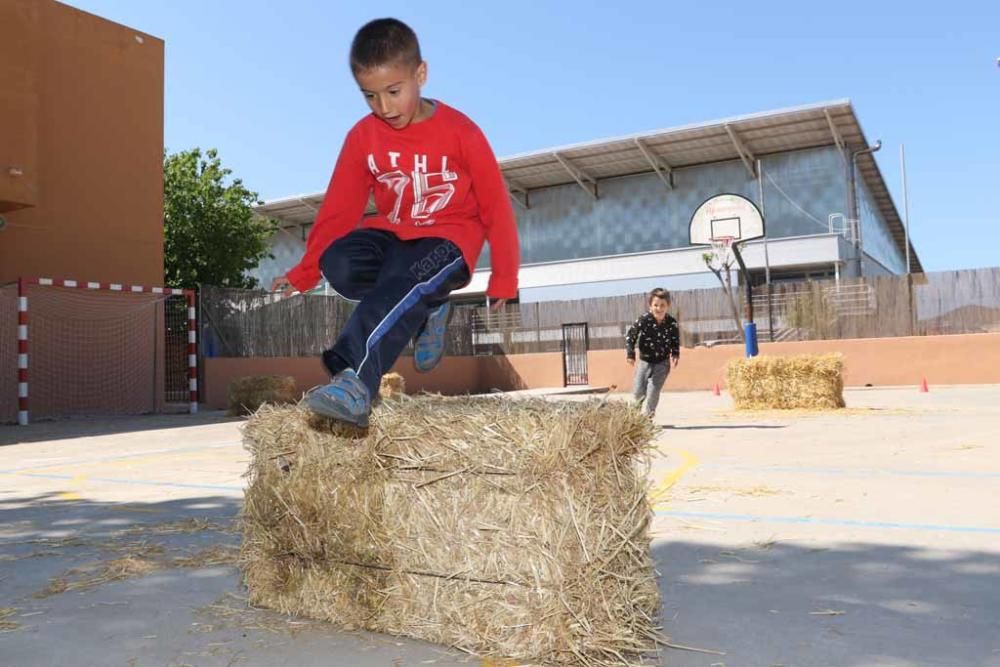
[437, 178]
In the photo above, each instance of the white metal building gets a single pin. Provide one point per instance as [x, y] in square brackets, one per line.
[611, 216]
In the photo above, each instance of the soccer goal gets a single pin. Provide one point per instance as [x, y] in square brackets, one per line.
[72, 348]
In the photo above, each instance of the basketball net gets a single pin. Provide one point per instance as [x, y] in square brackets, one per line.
[722, 247]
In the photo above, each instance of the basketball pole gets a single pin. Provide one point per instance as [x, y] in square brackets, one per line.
[750, 328]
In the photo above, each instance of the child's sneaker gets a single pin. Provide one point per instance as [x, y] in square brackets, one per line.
[344, 399]
[429, 347]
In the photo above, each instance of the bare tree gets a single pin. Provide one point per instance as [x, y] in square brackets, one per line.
[721, 264]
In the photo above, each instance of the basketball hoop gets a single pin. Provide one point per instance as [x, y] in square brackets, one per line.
[725, 219]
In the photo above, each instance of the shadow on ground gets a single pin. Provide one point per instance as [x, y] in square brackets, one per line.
[770, 604]
[63, 429]
[852, 605]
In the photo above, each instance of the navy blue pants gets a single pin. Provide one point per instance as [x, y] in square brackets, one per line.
[397, 284]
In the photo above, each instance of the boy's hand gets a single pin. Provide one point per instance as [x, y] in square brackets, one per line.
[630, 361]
[282, 284]
[497, 305]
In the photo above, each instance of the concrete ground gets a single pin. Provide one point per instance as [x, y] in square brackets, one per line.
[866, 537]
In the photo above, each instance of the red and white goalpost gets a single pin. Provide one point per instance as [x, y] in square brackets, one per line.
[107, 347]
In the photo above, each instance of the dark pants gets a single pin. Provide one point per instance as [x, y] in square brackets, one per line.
[397, 283]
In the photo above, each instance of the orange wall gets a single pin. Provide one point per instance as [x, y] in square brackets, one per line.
[81, 115]
[454, 375]
[219, 372]
[965, 359]
[521, 371]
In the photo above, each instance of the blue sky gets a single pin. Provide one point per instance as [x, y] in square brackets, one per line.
[266, 83]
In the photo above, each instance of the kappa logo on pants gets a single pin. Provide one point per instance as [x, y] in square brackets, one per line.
[433, 261]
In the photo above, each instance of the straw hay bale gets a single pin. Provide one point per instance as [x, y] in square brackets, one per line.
[510, 529]
[802, 381]
[393, 384]
[247, 394]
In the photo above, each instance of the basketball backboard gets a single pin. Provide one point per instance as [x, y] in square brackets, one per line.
[726, 217]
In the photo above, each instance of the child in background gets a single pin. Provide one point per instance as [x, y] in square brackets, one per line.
[657, 336]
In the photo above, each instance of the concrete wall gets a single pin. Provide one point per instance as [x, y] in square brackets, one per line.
[81, 121]
[962, 359]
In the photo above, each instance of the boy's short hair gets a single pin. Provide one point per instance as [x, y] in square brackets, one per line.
[384, 42]
[658, 293]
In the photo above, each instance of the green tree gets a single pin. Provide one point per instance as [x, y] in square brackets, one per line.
[211, 233]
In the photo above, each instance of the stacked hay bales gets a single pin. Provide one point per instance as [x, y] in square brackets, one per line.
[247, 394]
[782, 383]
[510, 529]
[392, 385]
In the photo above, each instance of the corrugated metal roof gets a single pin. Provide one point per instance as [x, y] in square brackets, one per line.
[296, 210]
[742, 137]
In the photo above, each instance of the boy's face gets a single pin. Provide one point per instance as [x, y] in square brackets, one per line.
[658, 307]
[393, 92]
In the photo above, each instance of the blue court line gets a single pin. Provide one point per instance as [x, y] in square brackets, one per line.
[856, 472]
[135, 482]
[762, 518]
[120, 457]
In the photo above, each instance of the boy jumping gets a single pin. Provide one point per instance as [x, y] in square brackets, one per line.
[659, 342]
[439, 195]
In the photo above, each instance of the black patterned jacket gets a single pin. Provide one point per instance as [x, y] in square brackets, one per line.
[657, 341]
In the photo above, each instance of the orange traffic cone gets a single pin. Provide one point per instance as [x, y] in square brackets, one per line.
[716, 391]
[923, 386]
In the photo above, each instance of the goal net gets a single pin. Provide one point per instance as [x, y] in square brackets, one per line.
[70, 349]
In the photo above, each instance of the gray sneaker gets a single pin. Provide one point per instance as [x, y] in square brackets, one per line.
[345, 399]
